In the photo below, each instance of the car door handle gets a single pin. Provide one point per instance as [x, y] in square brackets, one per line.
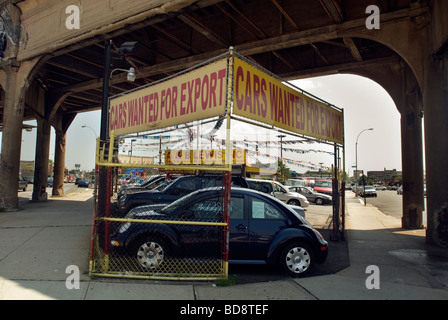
[241, 227]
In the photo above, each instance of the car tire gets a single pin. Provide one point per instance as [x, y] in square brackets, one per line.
[151, 253]
[294, 202]
[297, 259]
[319, 201]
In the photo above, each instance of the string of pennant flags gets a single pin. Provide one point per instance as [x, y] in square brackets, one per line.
[255, 144]
[252, 148]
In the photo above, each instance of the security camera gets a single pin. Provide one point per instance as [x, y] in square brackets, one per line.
[127, 47]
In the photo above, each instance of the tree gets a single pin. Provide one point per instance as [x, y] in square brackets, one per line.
[283, 172]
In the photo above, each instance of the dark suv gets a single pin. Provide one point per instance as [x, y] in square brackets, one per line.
[173, 191]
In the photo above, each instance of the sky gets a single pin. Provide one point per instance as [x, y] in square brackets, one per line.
[366, 105]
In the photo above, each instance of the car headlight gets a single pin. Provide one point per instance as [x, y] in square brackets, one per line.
[124, 227]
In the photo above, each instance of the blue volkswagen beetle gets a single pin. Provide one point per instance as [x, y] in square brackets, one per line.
[262, 229]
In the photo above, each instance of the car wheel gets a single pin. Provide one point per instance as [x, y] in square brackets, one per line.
[151, 253]
[294, 202]
[297, 259]
[319, 201]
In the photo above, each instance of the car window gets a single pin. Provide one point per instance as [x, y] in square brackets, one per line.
[208, 182]
[260, 186]
[184, 186]
[208, 209]
[264, 210]
[237, 208]
[278, 188]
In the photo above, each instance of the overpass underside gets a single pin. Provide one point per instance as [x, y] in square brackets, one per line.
[53, 68]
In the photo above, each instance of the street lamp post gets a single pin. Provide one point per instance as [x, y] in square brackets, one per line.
[132, 143]
[86, 126]
[281, 145]
[356, 156]
[104, 173]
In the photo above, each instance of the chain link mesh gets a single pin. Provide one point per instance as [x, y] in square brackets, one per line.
[151, 238]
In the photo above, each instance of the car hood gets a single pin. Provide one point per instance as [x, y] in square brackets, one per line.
[146, 212]
[142, 193]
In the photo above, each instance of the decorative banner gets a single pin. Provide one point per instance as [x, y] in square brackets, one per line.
[195, 95]
[261, 97]
[208, 157]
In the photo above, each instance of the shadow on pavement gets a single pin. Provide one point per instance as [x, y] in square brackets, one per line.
[337, 260]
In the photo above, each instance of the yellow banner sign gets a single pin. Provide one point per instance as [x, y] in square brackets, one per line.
[195, 95]
[261, 97]
[201, 157]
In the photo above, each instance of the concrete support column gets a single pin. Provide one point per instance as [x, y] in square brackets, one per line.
[11, 142]
[411, 110]
[42, 157]
[412, 166]
[62, 123]
[435, 97]
[59, 163]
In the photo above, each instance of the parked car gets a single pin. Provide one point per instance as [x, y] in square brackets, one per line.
[323, 186]
[50, 183]
[84, 183]
[279, 191]
[149, 184]
[311, 195]
[173, 191]
[400, 190]
[262, 229]
[367, 191]
[23, 183]
[30, 180]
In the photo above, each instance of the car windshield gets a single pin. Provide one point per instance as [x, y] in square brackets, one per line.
[327, 184]
[369, 188]
[173, 205]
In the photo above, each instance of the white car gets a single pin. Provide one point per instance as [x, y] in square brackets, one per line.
[279, 191]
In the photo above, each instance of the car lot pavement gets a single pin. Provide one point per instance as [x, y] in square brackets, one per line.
[39, 241]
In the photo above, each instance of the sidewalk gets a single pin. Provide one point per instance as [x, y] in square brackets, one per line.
[39, 241]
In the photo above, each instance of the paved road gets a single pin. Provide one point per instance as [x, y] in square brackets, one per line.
[389, 203]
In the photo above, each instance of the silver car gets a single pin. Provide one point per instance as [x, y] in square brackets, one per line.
[311, 195]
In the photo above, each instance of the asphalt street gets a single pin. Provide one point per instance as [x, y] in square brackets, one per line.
[390, 203]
